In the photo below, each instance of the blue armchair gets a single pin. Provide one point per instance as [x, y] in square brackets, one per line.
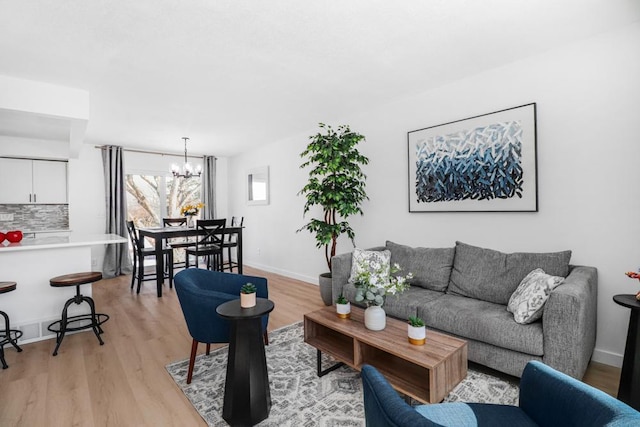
[547, 398]
[200, 292]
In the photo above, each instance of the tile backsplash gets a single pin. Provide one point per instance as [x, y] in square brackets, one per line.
[35, 217]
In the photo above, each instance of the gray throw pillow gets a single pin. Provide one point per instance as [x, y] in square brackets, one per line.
[527, 302]
[493, 276]
[431, 267]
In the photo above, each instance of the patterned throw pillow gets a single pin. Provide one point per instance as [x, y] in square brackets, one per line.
[374, 261]
[528, 300]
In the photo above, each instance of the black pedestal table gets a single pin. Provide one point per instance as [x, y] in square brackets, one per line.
[247, 398]
[629, 389]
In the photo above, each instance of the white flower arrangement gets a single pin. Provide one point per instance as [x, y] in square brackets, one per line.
[373, 284]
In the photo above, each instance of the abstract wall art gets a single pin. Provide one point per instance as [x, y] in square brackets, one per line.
[485, 163]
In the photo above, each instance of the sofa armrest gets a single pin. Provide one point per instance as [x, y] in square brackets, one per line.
[569, 322]
[340, 272]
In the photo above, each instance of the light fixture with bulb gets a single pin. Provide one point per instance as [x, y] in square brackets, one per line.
[187, 170]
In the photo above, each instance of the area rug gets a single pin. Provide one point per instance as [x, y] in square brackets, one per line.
[299, 397]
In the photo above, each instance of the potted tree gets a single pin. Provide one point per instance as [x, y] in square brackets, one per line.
[337, 184]
[248, 295]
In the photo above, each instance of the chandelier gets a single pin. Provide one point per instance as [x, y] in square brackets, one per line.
[187, 169]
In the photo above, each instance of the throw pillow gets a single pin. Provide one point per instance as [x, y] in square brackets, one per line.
[527, 302]
[373, 261]
[431, 267]
[493, 276]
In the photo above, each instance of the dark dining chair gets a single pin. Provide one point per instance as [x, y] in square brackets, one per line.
[180, 242]
[230, 242]
[208, 244]
[200, 292]
[140, 253]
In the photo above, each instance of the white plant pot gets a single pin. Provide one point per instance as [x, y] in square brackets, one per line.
[343, 310]
[375, 319]
[417, 334]
[247, 300]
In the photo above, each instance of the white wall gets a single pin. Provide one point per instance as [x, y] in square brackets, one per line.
[588, 99]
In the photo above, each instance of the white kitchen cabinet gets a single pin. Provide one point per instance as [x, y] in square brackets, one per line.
[24, 181]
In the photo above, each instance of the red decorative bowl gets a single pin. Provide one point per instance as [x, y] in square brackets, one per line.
[14, 236]
[2, 237]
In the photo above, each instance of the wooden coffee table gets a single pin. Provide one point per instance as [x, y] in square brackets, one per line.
[426, 373]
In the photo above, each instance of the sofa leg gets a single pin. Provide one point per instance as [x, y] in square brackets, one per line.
[192, 360]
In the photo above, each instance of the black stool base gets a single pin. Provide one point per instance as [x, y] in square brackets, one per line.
[91, 320]
[10, 336]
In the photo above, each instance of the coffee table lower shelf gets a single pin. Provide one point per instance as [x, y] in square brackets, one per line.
[426, 373]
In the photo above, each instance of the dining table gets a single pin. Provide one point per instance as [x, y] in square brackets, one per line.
[160, 234]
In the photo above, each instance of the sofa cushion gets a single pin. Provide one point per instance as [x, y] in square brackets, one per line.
[377, 262]
[431, 267]
[527, 302]
[493, 276]
[482, 321]
[402, 305]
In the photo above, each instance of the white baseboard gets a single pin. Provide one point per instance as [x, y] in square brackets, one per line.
[287, 273]
[607, 358]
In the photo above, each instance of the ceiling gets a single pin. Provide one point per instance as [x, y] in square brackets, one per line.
[236, 74]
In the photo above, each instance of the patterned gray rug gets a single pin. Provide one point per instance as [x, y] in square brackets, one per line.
[299, 397]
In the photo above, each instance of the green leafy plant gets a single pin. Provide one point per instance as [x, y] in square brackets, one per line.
[342, 300]
[248, 288]
[372, 285]
[336, 183]
[415, 321]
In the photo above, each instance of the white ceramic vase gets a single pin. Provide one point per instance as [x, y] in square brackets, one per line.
[343, 310]
[375, 318]
[247, 300]
[417, 334]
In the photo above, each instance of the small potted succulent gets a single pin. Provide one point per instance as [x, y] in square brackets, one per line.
[343, 307]
[416, 331]
[248, 295]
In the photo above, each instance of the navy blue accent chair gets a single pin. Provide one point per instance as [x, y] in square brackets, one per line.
[547, 398]
[200, 292]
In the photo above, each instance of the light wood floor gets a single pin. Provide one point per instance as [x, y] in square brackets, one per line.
[124, 382]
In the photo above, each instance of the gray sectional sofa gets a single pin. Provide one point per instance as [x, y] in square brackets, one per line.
[464, 291]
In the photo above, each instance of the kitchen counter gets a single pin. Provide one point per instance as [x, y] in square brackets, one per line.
[31, 263]
[52, 242]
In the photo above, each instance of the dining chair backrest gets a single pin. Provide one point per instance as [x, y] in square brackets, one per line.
[133, 235]
[174, 222]
[237, 221]
[211, 231]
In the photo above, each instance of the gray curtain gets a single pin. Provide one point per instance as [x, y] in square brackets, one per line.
[209, 187]
[116, 257]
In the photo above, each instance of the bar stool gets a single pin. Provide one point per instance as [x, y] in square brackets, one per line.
[92, 320]
[8, 335]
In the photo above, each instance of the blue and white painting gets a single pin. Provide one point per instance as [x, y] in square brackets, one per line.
[479, 164]
[485, 163]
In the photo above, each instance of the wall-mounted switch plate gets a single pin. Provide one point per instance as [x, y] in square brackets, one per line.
[6, 217]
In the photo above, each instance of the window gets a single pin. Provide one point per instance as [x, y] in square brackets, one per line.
[153, 197]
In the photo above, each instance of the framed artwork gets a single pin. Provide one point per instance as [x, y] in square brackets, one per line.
[485, 163]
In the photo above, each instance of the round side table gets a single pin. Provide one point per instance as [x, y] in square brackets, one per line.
[247, 398]
[629, 389]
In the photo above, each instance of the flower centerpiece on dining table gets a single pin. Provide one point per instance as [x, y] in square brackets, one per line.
[373, 283]
[190, 211]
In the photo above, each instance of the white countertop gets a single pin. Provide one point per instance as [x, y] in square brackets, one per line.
[54, 242]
